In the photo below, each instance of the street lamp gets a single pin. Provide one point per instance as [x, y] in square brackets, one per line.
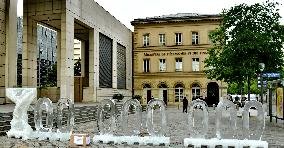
[261, 68]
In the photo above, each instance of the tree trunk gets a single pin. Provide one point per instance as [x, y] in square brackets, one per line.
[248, 88]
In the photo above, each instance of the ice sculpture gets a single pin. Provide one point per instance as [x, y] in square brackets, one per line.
[43, 104]
[70, 118]
[257, 133]
[107, 107]
[195, 106]
[224, 129]
[124, 116]
[22, 97]
[150, 111]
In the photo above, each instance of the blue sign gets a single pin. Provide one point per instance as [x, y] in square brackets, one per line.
[271, 75]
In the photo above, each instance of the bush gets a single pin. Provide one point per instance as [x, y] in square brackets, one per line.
[119, 97]
[138, 97]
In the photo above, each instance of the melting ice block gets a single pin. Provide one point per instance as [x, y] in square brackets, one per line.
[22, 97]
[124, 116]
[195, 108]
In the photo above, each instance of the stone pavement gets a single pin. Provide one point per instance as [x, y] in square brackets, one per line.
[177, 130]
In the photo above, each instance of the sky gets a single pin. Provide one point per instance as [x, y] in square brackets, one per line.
[128, 10]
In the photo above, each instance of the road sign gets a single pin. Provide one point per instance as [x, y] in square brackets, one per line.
[271, 75]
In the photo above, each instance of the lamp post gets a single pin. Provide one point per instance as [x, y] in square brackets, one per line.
[261, 68]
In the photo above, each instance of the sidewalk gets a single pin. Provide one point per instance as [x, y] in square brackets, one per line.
[177, 130]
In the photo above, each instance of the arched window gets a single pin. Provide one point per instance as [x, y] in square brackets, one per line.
[179, 92]
[195, 91]
[146, 86]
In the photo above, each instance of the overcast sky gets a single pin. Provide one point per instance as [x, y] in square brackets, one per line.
[128, 10]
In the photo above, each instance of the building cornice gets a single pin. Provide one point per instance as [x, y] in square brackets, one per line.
[178, 18]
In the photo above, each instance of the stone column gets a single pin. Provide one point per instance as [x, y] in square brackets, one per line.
[58, 54]
[2, 51]
[91, 93]
[11, 48]
[129, 67]
[29, 57]
[67, 55]
[114, 63]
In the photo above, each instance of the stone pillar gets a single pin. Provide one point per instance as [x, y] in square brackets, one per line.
[29, 61]
[91, 93]
[129, 68]
[58, 52]
[2, 50]
[114, 64]
[67, 55]
[11, 48]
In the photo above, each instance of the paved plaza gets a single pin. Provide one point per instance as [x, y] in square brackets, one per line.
[177, 131]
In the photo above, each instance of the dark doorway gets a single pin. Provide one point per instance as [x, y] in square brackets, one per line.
[149, 95]
[78, 89]
[148, 91]
[163, 87]
[165, 96]
[212, 94]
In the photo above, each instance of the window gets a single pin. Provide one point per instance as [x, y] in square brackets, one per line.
[178, 38]
[195, 91]
[178, 64]
[146, 65]
[162, 65]
[194, 38]
[195, 64]
[146, 40]
[162, 39]
[178, 93]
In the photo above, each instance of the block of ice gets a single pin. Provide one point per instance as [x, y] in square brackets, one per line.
[22, 97]
[248, 133]
[43, 104]
[150, 110]
[138, 116]
[198, 109]
[106, 124]
[61, 104]
[225, 128]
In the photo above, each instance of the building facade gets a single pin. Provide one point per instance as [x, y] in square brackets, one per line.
[168, 57]
[106, 48]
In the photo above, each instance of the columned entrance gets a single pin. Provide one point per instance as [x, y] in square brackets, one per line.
[212, 94]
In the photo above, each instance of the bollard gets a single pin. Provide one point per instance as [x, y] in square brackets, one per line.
[214, 106]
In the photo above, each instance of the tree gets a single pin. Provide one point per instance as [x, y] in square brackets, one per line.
[77, 68]
[247, 36]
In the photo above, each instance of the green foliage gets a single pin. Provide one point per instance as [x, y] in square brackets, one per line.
[235, 88]
[247, 36]
[119, 97]
[77, 68]
[52, 75]
[138, 97]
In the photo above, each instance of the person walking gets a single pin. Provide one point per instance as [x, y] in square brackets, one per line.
[185, 104]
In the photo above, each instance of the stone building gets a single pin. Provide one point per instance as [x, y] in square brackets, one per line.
[106, 48]
[168, 57]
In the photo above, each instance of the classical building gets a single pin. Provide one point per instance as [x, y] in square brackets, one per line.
[106, 49]
[168, 57]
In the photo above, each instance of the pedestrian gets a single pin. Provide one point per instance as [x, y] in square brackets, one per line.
[185, 104]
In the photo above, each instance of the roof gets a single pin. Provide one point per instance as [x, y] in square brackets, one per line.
[179, 17]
